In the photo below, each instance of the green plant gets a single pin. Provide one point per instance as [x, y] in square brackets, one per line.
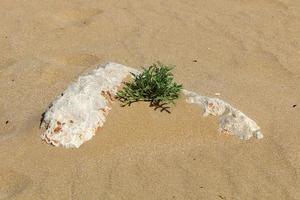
[154, 84]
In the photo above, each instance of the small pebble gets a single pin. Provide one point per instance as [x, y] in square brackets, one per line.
[294, 105]
[217, 94]
[7, 122]
[221, 197]
[195, 60]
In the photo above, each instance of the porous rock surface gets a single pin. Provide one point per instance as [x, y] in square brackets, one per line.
[74, 116]
[231, 120]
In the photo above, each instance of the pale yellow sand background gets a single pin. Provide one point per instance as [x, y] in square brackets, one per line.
[248, 50]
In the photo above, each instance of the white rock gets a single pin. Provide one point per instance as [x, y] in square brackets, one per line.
[231, 120]
[73, 117]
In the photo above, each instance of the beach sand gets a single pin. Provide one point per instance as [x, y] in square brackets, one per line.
[248, 51]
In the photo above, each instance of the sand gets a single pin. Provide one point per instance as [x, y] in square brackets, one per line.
[248, 51]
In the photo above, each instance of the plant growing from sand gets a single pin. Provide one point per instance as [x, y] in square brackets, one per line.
[154, 84]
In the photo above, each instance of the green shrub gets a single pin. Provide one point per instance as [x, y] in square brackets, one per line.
[154, 84]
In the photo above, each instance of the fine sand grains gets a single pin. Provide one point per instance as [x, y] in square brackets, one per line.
[246, 50]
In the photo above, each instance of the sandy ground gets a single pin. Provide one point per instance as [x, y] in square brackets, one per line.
[249, 51]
